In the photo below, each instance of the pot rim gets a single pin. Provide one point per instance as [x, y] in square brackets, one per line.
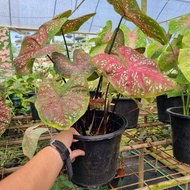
[106, 136]
[171, 112]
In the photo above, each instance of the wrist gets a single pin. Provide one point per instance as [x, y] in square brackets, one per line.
[60, 148]
[64, 154]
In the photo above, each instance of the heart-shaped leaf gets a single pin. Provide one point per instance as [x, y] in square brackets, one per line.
[129, 10]
[5, 116]
[81, 63]
[30, 140]
[73, 25]
[34, 44]
[24, 63]
[6, 67]
[132, 74]
[60, 106]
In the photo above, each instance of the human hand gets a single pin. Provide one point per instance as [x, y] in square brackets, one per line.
[66, 137]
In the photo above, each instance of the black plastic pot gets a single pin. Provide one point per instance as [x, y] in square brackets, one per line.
[98, 166]
[34, 111]
[128, 108]
[180, 134]
[163, 103]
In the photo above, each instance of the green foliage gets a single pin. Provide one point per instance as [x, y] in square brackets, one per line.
[62, 182]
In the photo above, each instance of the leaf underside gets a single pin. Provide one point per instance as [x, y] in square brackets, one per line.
[66, 68]
[30, 140]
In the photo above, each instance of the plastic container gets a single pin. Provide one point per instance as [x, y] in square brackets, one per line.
[180, 134]
[98, 166]
[129, 109]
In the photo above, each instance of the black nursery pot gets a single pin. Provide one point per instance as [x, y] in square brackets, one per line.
[34, 111]
[180, 134]
[129, 109]
[98, 166]
[163, 103]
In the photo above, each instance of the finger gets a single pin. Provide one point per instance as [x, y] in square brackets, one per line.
[76, 153]
[74, 131]
[75, 140]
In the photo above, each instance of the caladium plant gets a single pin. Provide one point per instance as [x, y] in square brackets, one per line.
[130, 73]
[6, 71]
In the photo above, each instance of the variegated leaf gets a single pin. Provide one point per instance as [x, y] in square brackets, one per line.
[60, 106]
[5, 116]
[132, 74]
[73, 25]
[24, 63]
[6, 67]
[81, 63]
[35, 44]
[130, 10]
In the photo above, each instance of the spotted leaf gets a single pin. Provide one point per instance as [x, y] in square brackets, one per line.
[5, 116]
[35, 44]
[130, 10]
[60, 106]
[74, 24]
[81, 63]
[6, 67]
[132, 74]
[24, 63]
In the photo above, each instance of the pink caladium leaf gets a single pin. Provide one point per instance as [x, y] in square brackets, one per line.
[61, 105]
[5, 116]
[6, 67]
[24, 63]
[132, 74]
[34, 44]
[129, 9]
[81, 63]
[74, 24]
[30, 139]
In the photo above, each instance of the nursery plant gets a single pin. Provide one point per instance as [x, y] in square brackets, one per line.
[173, 58]
[130, 73]
[63, 100]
